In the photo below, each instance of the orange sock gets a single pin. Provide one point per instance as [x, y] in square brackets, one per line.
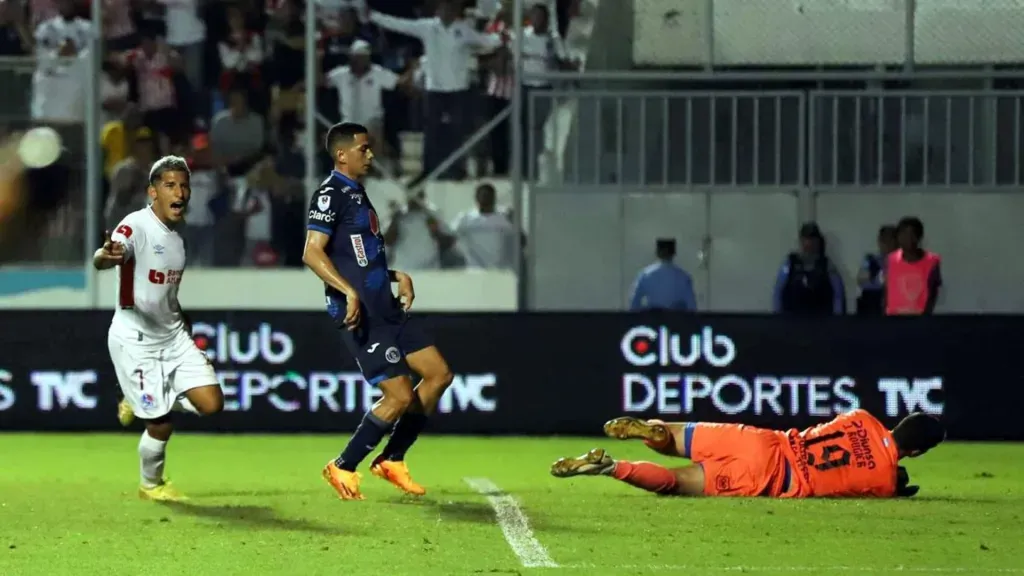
[646, 475]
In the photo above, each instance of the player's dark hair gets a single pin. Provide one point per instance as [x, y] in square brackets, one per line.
[887, 231]
[342, 134]
[914, 224]
[168, 164]
[918, 432]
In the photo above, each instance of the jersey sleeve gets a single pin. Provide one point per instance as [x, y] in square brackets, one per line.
[325, 209]
[127, 235]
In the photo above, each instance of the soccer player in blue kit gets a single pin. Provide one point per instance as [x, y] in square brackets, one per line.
[345, 248]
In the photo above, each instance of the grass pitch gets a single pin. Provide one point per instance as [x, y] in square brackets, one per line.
[68, 506]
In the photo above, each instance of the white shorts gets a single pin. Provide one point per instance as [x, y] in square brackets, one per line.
[153, 378]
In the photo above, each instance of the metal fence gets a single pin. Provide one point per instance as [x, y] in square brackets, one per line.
[775, 138]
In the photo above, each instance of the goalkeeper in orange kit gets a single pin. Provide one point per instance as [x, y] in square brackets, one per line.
[853, 455]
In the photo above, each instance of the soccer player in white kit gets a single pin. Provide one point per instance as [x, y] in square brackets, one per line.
[158, 365]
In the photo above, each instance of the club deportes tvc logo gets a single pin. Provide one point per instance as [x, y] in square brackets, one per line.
[647, 346]
[62, 390]
[224, 345]
[911, 395]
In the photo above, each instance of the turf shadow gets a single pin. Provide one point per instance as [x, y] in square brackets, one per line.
[255, 493]
[251, 517]
[957, 499]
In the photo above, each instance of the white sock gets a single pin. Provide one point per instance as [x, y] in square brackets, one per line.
[151, 458]
[182, 404]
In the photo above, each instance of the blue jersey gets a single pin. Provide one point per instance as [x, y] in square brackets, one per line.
[341, 209]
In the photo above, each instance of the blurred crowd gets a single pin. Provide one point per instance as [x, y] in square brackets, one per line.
[222, 82]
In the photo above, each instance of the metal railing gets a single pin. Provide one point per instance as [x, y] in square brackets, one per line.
[787, 138]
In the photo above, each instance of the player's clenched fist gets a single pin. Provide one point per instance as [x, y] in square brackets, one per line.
[351, 311]
[405, 292]
[111, 251]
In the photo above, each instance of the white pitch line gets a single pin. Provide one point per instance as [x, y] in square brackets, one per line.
[800, 569]
[514, 525]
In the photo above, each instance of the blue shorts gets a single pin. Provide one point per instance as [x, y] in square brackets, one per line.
[380, 345]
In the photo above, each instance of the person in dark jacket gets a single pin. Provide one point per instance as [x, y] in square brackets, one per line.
[871, 277]
[808, 282]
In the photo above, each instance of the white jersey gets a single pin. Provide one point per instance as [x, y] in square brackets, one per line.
[147, 288]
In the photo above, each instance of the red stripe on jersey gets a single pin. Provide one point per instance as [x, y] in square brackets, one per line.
[126, 289]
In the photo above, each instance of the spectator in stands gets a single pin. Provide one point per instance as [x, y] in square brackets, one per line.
[485, 235]
[808, 283]
[288, 197]
[500, 86]
[206, 185]
[151, 15]
[871, 277]
[117, 138]
[118, 26]
[416, 235]
[286, 37]
[241, 59]
[186, 35]
[130, 178]
[337, 37]
[543, 51]
[237, 136]
[52, 33]
[15, 37]
[114, 91]
[252, 200]
[360, 85]
[155, 64]
[449, 44]
[663, 285]
[57, 97]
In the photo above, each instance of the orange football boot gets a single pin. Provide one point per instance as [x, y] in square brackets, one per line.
[345, 483]
[398, 474]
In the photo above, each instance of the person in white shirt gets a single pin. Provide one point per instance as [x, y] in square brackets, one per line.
[360, 86]
[51, 34]
[416, 235]
[543, 51]
[486, 236]
[186, 35]
[450, 45]
[57, 96]
[158, 365]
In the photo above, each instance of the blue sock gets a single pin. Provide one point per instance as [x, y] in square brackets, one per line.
[406, 432]
[367, 436]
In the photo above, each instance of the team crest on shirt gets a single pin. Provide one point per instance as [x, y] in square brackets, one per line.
[374, 223]
[392, 355]
[323, 202]
[148, 401]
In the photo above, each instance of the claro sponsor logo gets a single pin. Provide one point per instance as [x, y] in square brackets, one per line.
[686, 371]
[245, 363]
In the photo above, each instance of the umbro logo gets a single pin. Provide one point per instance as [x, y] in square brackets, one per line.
[372, 348]
[158, 249]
